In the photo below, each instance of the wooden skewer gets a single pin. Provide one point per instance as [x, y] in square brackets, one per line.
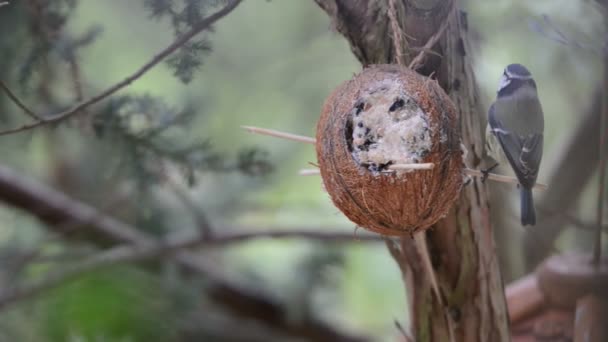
[279, 134]
[394, 167]
[502, 178]
[470, 172]
[418, 166]
[309, 172]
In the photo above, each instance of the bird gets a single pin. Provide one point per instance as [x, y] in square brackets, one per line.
[514, 134]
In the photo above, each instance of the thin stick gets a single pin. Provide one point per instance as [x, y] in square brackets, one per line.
[17, 101]
[420, 243]
[397, 32]
[279, 134]
[132, 253]
[3, 3]
[309, 172]
[501, 178]
[471, 172]
[597, 248]
[415, 166]
[391, 168]
[179, 42]
[417, 61]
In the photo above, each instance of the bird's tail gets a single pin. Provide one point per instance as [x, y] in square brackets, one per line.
[528, 216]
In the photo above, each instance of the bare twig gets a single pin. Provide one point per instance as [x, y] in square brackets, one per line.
[502, 178]
[420, 243]
[597, 248]
[18, 102]
[397, 32]
[417, 61]
[134, 253]
[308, 234]
[3, 3]
[550, 30]
[180, 41]
[279, 134]
[202, 222]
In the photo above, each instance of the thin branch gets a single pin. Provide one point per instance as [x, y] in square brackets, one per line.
[308, 234]
[202, 222]
[501, 178]
[397, 32]
[550, 30]
[603, 140]
[3, 3]
[279, 134]
[417, 61]
[179, 42]
[134, 253]
[18, 102]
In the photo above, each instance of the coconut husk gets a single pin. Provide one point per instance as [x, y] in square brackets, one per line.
[368, 192]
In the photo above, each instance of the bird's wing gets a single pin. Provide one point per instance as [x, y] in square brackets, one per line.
[523, 152]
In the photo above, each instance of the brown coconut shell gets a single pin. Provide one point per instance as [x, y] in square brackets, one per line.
[390, 203]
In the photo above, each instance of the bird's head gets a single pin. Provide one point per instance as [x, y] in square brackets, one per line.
[513, 78]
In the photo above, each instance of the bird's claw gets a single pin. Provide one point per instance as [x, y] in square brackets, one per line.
[486, 172]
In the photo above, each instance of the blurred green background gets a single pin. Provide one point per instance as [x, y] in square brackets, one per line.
[272, 64]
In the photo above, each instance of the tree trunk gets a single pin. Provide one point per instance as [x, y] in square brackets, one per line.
[461, 245]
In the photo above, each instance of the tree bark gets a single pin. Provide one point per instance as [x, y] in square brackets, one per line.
[461, 245]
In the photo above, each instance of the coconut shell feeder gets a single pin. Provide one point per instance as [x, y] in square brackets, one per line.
[388, 150]
[389, 115]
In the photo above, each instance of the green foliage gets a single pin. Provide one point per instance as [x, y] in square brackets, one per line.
[183, 15]
[122, 304]
[150, 134]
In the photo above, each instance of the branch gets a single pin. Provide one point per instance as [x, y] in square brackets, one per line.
[55, 209]
[417, 61]
[308, 234]
[603, 140]
[18, 102]
[180, 41]
[134, 253]
[502, 179]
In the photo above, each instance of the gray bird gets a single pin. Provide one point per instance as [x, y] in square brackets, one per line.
[515, 132]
